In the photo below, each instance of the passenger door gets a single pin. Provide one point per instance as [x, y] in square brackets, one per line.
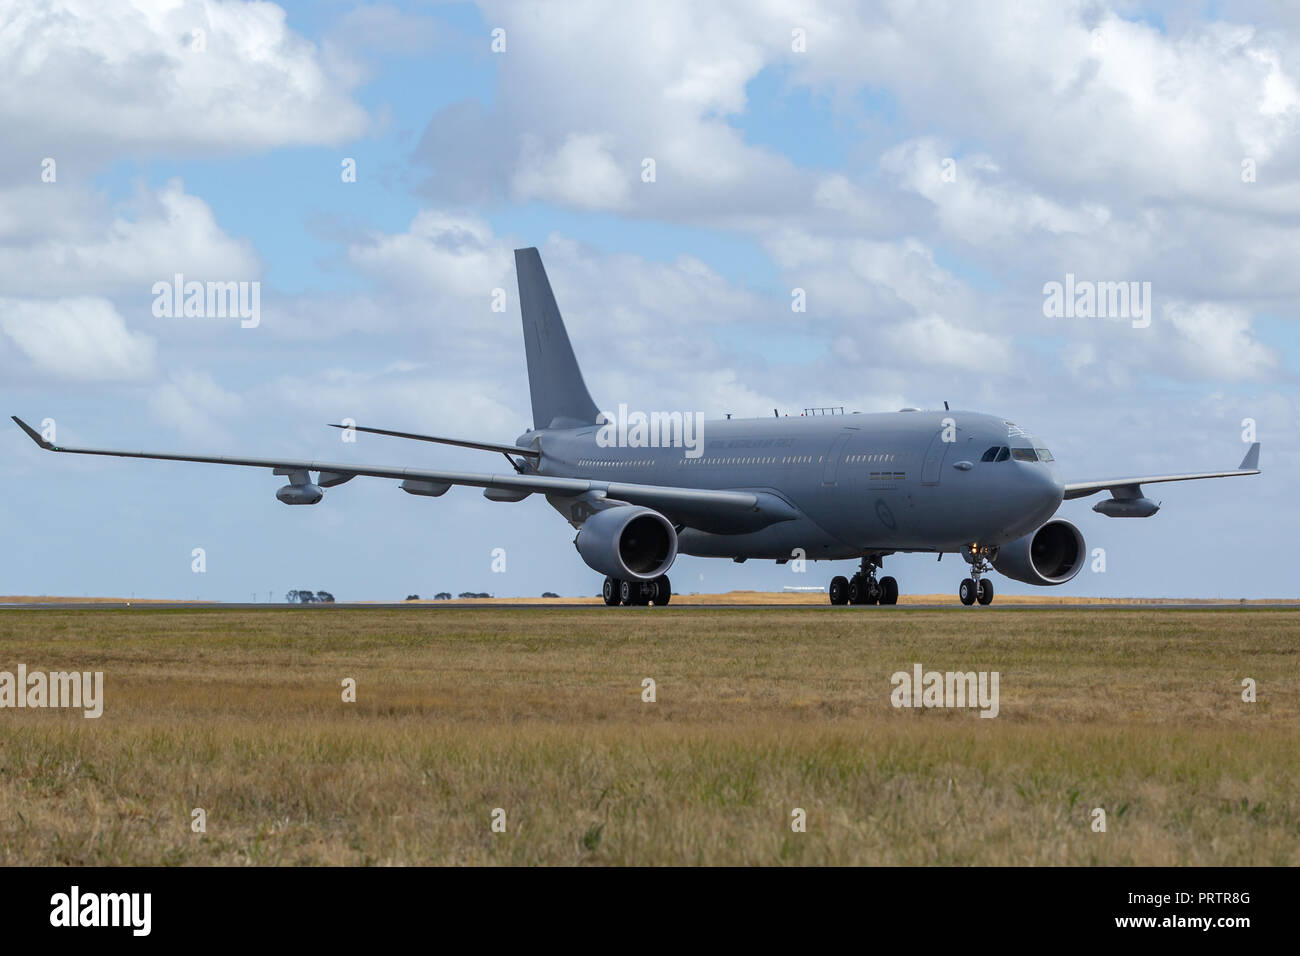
[932, 469]
[830, 469]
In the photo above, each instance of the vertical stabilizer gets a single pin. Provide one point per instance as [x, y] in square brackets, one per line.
[560, 396]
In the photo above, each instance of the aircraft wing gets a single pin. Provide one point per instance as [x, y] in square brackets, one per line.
[461, 442]
[1129, 487]
[753, 509]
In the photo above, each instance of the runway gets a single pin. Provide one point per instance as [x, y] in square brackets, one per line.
[523, 605]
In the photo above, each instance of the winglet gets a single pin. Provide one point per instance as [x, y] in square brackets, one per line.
[1251, 461]
[33, 434]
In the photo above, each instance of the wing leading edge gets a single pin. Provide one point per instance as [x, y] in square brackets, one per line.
[752, 509]
[1126, 488]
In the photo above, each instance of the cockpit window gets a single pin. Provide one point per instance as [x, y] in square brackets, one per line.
[1044, 454]
[1004, 453]
[991, 454]
[1023, 454]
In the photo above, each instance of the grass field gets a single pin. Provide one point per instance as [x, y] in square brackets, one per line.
[539, 712]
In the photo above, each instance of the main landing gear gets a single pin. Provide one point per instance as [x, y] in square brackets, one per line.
[657, 592]
[977, 588]
[863, 587]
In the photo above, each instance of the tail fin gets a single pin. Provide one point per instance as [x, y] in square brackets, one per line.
[560, 397]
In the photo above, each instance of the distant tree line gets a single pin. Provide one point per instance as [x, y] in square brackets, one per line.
[446, 595]
[309, 597]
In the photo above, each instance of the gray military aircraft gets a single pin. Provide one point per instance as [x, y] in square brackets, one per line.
[813, 487]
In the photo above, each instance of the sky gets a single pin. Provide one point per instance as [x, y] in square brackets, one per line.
[920, 170]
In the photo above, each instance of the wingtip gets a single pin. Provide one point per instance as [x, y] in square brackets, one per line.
[32, 433]
[1251, 461]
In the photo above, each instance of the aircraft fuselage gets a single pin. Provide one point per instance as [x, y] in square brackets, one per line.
[896, 481]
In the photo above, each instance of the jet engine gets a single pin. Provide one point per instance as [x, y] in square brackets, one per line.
[1051, 555]
[628, 542]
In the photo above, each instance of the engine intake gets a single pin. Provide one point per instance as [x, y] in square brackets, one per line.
[629, 543]
[1051, 555]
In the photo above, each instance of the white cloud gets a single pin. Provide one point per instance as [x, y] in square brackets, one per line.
[1217, 342]
[587, 92]
[443, 255]
[83, 76]
[1161, 113]
[193, 403]
[1122, 159]
[80, 339]
[82, 249]
[580, 173]
[934, 341]
[977, 203]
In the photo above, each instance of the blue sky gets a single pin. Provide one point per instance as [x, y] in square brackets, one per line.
[1103, 142]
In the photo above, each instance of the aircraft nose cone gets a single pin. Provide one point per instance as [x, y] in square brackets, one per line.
[1044, 490]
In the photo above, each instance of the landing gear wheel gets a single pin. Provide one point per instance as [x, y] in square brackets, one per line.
[888, 591]
[663, 591]
[839, 589]
[985, 591]
[968, 591]
[857, 590]
[610, 592]
[628, 592]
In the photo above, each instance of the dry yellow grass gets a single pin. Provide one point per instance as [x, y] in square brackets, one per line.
[539, 712]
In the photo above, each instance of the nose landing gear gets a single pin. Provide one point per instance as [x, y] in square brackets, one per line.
[863, 587]
[977, 588]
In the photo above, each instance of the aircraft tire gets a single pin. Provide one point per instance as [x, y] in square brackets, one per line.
[967, 591]
[857, 590]
[839, 589]
[610, 592]
[986, 591]
[888, 590]
[663, 591]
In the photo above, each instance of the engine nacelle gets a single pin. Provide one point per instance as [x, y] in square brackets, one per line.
[1051, 555]
[307, 494]
[628, 542]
